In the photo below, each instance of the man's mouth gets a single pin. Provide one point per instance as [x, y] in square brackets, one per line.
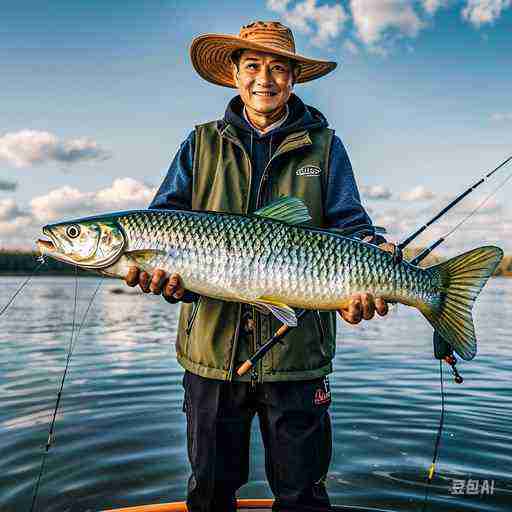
[264, 93]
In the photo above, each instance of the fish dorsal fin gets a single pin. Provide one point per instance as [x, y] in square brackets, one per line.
[281, 311]
[286, 209]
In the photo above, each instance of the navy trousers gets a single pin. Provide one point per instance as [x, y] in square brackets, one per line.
[296, 431]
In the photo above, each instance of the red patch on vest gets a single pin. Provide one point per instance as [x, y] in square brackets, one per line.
[322, 397]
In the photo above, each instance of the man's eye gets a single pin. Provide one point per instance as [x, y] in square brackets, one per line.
[251, 66]
[281, 69]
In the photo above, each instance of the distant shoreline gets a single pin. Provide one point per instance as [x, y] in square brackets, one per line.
[15, 263]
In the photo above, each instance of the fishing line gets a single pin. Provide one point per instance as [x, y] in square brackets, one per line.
[423, 254]
[20, 288]
[480, 205]
[438, 441]
[459, 198]
[73, 339]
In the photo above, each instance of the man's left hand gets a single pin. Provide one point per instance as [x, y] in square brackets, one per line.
[364, 305]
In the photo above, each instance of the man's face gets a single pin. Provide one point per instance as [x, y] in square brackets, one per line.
[264, 81]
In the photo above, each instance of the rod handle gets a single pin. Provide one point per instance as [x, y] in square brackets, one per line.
[244, 368]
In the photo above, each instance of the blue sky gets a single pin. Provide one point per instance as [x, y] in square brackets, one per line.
[97, 96]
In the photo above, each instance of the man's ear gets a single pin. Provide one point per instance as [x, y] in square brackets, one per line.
[235, 73]
[296, 73]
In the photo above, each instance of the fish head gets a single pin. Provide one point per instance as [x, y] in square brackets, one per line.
[92, 243]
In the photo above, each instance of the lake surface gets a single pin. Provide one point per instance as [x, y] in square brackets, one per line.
[120, 433]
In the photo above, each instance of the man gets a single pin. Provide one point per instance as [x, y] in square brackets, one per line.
[268, 144]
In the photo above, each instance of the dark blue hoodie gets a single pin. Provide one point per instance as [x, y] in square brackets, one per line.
[343, 207]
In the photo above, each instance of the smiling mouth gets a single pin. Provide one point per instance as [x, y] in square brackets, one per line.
[261, 93]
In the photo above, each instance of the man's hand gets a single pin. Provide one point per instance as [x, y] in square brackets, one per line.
[171, 288]
[364, 305]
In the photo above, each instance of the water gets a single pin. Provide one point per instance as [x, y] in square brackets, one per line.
[120, 434]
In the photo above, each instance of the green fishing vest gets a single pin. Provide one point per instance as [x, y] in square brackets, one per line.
[210, 339]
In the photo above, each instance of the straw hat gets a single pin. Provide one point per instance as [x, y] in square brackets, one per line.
[211, 53]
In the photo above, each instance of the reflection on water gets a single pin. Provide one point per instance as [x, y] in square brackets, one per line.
[120, 435]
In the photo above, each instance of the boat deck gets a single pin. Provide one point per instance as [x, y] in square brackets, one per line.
[258, 505]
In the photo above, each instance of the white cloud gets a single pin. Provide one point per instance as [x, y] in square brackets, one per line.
[124, 194]
[323, 22]
[30, 147]
[432, 6]
[374, 18]
[376, 192]
[9, 210]
[502, 116]
[479, 12]
[278, 5]
[419, 193]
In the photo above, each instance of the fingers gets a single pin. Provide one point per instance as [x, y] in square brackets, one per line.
[353, 312]
[173, 289]
[157, 281]
[363, 305]
[144, 280]
[388, 247]
[132, 278]
[368, 306]
[381, 306]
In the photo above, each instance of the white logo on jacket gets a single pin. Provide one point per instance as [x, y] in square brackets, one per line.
[309, 170]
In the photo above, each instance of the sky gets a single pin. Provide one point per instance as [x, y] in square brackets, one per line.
[98, 95]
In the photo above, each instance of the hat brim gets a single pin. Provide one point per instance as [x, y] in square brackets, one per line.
[211, 58]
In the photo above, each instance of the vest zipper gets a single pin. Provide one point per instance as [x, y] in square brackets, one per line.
[318, 319]
[254, 372]
[239, 316]
[257, 316]
[192, 316]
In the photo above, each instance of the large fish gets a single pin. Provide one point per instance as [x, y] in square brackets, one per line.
[272, 260]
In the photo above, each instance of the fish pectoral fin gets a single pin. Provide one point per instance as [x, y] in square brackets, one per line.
[280, 310]
[291, 210]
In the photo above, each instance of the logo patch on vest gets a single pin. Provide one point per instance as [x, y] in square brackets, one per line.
[309, 170]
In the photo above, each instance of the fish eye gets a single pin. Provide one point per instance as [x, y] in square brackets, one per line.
[73, 231]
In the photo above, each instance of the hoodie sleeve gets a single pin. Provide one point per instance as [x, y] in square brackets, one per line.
[175, 192]
[343, 208]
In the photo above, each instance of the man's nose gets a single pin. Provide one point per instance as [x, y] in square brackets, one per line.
[264, 76]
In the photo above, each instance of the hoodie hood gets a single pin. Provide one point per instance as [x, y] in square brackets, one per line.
[300, 117]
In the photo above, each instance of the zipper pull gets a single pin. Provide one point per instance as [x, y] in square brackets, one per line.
[254, 379]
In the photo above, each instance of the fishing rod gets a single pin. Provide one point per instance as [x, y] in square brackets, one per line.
[442, 348]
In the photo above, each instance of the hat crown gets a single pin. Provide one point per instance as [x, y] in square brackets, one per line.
[270, 33]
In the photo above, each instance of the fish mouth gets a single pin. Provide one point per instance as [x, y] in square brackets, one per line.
[45, 246]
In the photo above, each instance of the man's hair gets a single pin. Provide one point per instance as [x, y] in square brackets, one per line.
[237, 55]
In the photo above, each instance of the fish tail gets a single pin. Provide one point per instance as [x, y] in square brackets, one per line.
[462, 278]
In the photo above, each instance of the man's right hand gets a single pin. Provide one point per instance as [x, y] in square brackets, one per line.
[170, 287]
